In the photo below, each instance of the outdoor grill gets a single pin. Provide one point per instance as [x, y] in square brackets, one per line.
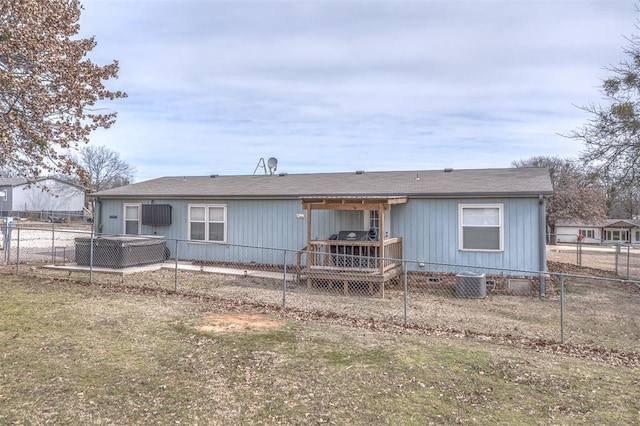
[348, 255]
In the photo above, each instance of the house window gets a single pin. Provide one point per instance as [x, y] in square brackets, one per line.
[132, 219]
[617, 236]
[208, 223]
[373, 221]
[637, 236]
[480, 227]
[587, 233]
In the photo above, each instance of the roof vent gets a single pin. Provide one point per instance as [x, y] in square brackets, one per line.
[282, 174]
[359, 172]
[213, 176]
[448, 170]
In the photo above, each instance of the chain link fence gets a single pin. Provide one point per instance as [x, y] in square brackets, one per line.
[623, 259]
[584, 309]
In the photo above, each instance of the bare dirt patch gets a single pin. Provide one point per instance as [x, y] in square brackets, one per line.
[238, 323]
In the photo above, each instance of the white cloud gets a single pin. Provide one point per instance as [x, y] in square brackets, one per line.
[327, 85]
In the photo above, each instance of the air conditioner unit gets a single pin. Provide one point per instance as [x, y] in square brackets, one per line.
[471, 285]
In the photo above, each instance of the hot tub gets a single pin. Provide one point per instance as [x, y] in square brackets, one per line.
[121, 251]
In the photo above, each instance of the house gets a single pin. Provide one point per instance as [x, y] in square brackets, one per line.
[491, 219]
[608, 231]
[62, 199]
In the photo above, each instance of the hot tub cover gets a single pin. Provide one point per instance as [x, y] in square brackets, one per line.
[120, 251]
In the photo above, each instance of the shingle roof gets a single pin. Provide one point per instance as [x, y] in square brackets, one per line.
[620, 223]
[601, 224]
[470, 182]
[12, 181]
[17, 181]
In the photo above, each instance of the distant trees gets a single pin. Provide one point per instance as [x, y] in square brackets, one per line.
[577, 194]
[626, 205]
[622, 196]
[612, 134]
[48, 87]
[102, 168]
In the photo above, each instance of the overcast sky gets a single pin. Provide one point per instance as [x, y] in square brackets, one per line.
[332, 85]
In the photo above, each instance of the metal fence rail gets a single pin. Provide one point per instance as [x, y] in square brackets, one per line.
[623, 259]
[579, 309]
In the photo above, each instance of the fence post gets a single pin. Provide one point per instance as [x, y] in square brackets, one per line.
[18, 252]
[628, 258]
[175, 284]
[91, 257]
[284, 280]
[404, 279]
[53, 242]
[617, 256]
[561, 308]
[579, 253]
[7, 243]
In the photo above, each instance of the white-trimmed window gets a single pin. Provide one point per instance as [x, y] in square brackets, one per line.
[617, 235]
[372, 221]
[587, 233]
[208, 222]
[481, 227]
[131, 215]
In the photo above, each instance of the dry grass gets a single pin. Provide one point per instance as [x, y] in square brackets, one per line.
[599, 257]
[77, 354]
[596, 313]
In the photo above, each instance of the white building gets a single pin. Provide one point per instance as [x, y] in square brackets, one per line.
[59, 199]
[608, 231]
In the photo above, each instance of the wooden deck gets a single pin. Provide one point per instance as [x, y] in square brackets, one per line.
[352, 263]
[348, 279]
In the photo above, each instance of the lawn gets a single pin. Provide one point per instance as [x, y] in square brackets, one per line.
[78, 354]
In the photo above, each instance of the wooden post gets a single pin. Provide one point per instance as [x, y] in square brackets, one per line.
[310, 261]
[381, 238]
[308, 225]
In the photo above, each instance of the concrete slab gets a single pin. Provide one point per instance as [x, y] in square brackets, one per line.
[241, 272]
[73, 267]
[171, 265]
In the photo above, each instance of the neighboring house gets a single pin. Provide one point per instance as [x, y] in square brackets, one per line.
[491, 218]
[62, 199]
[608, 231]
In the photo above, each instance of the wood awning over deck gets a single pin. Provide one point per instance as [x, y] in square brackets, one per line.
[377, 203]
[351, 202]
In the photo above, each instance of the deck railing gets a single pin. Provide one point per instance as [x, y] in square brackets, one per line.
[355, 255]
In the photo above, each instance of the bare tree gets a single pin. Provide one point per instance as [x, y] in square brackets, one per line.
[6, 172]
[48, 87]
[103, 169]
[611, 134]
[626, 205]
[577, 195]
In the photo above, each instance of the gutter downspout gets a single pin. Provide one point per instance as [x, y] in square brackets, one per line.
[542, 242]
[98, 223]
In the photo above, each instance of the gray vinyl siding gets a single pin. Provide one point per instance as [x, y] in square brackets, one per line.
[109, 217]
[430, 231]
[6, 206]
[260, 223]
[429, 228]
